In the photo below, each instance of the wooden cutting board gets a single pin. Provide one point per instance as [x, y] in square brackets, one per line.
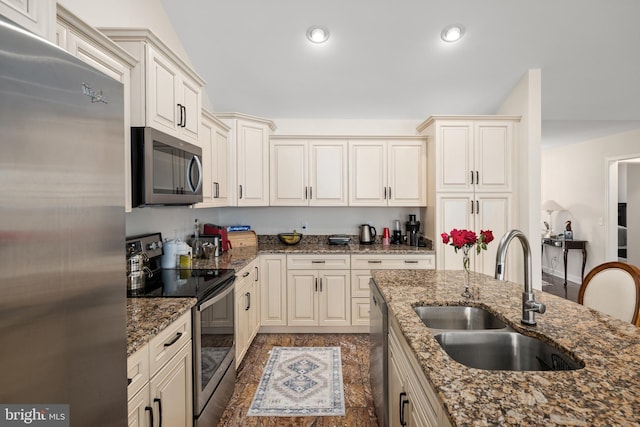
[241, 239]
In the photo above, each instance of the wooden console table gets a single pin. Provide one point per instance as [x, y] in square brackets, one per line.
[566, 245]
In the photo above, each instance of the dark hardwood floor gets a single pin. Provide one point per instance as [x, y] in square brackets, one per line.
[354, 349]
[556, 287]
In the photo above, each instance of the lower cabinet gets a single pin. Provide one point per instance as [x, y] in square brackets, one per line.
[247, 312]
[318, 290]
[361, 266]
[160, 378]
[273, 290]
[412, 400]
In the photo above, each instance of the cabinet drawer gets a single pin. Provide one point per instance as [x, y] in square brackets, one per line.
[393, 262]
[360, 311]
[137, 371]
[168, 342]
[318, 262]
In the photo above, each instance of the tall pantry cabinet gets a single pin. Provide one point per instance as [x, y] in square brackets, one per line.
[471, 182]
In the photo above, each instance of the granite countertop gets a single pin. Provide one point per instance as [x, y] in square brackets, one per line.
[605, 392]
[146, 317]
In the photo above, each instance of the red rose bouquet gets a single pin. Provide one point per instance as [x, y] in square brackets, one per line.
[460, 239]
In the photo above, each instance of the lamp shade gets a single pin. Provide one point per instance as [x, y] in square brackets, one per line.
[551, 205]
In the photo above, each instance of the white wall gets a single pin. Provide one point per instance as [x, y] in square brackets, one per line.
[575, 176]
[525, 101]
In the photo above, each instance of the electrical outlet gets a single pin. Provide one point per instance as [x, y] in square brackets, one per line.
[304, 224]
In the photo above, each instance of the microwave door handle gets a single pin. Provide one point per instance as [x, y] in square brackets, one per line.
[195, 160]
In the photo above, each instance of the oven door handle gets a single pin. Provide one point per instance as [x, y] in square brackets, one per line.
[208, 302]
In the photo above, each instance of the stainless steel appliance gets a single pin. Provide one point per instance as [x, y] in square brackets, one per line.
[367, 234]
[62, 275]
[164, 170]
[378, 356]
[212, 324]
[413, 230]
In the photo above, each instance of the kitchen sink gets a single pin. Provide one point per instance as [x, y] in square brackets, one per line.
[507, 351]
[457, 317]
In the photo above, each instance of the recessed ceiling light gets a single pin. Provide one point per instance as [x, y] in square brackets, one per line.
[317, 34]
[452, 33]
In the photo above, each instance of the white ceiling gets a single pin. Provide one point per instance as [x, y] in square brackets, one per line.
[385, 60]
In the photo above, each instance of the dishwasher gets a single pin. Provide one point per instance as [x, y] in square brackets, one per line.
[378, 353]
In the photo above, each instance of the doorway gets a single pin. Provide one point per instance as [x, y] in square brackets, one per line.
[623, 209]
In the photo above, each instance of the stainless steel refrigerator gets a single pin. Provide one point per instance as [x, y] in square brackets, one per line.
[62, 233]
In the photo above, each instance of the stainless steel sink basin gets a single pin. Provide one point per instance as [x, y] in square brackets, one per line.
[507, 351]
[457, 317]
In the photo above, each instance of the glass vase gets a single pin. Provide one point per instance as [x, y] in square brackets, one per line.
[466, 263]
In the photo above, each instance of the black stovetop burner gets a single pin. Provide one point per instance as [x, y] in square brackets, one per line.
[181, 283]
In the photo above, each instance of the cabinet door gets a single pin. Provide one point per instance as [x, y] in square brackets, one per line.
[328, 175]
[253, 164]
[453, 211]
[189, 99]
[367, 173]
[396, 388]
[207, 144]
[171, 389]
[139, 409]
[162, 83]
[407, 173]
[288, 170]
[334, 293]
[454, 145]
[38, 16]
[493, 155]
[273, 291]
[220, 162]
[493, 213]
[302, 306]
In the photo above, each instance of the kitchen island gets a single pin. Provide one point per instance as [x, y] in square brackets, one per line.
[605, 392]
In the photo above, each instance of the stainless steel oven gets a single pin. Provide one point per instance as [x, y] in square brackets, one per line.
[214, 370]
[164, 170]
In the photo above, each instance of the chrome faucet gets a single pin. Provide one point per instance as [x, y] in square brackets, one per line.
[529, 305]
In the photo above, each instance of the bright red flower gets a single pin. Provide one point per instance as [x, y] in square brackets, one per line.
[445, 238]
[461, 238]
[488, 235]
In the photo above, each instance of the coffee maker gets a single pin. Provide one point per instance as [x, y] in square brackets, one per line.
[413, 231]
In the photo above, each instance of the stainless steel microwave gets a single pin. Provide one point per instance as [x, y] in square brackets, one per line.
[164, 169]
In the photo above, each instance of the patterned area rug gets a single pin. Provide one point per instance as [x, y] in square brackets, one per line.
[300, 381]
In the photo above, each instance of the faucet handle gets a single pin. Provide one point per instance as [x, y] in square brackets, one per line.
[537, 307]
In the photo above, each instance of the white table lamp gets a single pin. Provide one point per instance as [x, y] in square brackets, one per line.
[550, 206]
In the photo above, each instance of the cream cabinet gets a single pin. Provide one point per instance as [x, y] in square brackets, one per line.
[361, 266]
[167, 93]
[249, 138]
[247, 313]
[471, 182]
[37, 16]
[214, 140]
[308, 172]
[318, 290]
[412, 400]
[387, 172]
[273, 290]
[91, 46]
[160, 378]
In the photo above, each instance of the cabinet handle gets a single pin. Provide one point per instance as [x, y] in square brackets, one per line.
[180, 120]
[184, 122]
[217, 190]
[477, 207]
[310, 193]
[389, 193]
[245, 274]
[248, 296]
[477, 178]
[159, 402]
[471, 172]
[410, 261]
[257, 275]
[317, 261]
[150, 410]
[472, 208]
[240, 191]
[374, 261]
[306, 192]
[174, 340]
[321, 284]
[385, 193]
[403, 402]
[316, 284]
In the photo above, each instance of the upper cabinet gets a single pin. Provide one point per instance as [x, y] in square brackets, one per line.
[388, 172]
[91, 46]
[166, 92]
[473, 155]
[38, 16]
[214, 140]
[249, 138]
[308, 172]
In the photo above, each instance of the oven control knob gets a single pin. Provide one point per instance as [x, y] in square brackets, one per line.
[152, 246]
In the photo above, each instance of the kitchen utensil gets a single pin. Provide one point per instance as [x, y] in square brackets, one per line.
[339, 239]
[367, 234]
[386, 236]
[211, 229]
[290, 238]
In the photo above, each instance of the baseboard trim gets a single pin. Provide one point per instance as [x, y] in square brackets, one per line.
[314, 329]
